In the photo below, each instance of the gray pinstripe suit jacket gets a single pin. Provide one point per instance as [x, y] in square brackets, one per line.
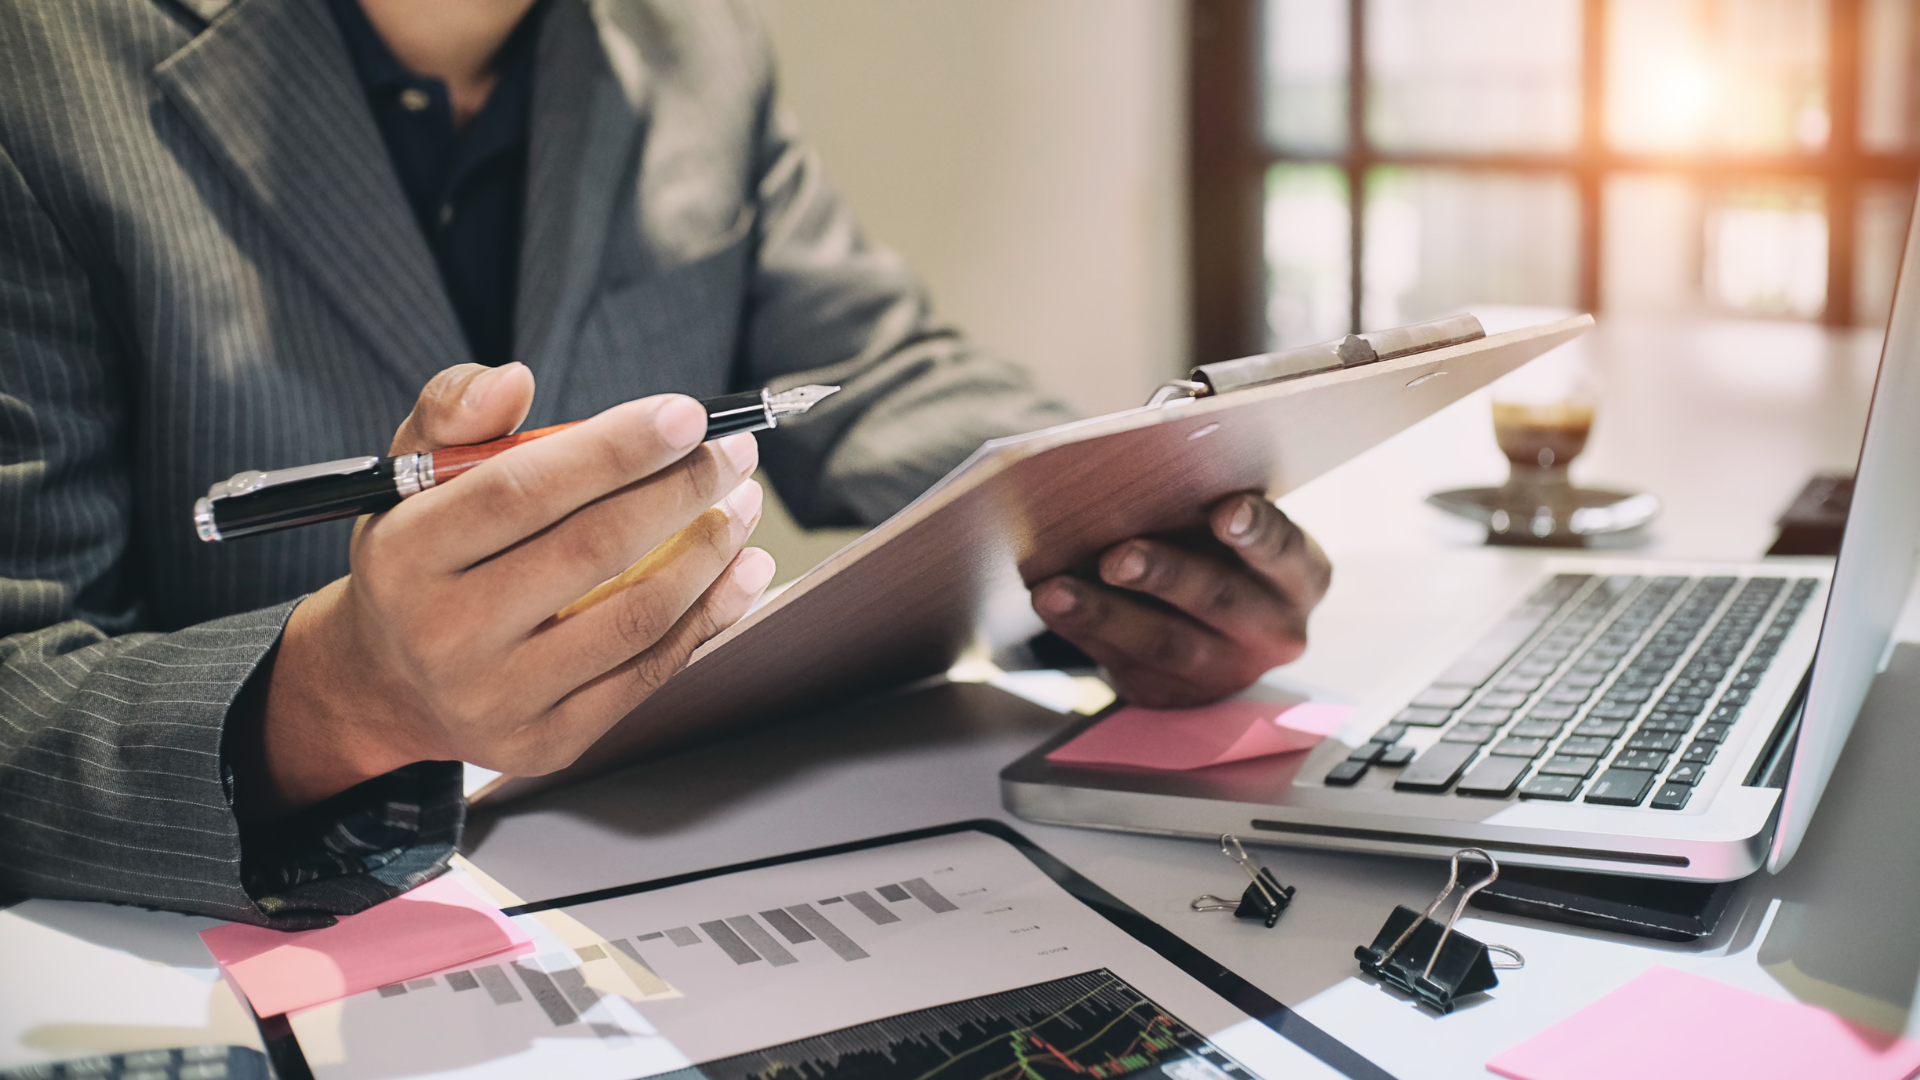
[207, 264]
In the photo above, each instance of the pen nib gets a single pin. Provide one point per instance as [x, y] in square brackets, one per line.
[799, 399]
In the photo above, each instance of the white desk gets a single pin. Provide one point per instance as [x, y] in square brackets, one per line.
[1723, 421]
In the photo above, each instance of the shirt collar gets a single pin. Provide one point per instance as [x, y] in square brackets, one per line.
[372, 59]
[378, 68]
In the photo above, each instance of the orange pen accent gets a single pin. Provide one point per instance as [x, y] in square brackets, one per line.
[454, 460]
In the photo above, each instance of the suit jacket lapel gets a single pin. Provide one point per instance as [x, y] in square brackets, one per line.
[587, 106]
[269, 87]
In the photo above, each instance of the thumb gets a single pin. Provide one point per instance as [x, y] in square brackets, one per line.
[467, 403]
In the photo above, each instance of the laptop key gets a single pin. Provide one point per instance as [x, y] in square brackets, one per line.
[1664, 741]
[1686, 772]
[1441, 697]
[1504, 699]
[1585, 746]
[1470, 733]
[1396, 756]
[1493, 778]
[1422, 717]
[1390, 734]
[1651, 760]
[1615, 710]
[1628, 695]
[1437, 769]
[1666, 720]
[1699, 753]
[1601, 729]
[1568, 695]
[1480, 714]
[1558, 788]
[1521, 748]
[1568, 765]
[1683, 705]
[1712, 733]
[1345, 774]
[1531, 728]
[1620, 787]
[1671, 797]
[1519, 684]
[1368, 753]
[1551, 712]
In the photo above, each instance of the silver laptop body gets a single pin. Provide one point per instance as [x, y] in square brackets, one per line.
[1661, 720]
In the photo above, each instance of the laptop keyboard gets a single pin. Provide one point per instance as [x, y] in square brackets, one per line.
[1607, 688]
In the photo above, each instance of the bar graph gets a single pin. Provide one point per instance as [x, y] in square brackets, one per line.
[1093, 1025]
[555, 983]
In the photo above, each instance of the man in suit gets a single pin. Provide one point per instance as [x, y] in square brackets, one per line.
[244, 233]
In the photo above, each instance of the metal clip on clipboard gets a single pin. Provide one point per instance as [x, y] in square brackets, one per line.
[1350, 351]
[1265, 897]
[1454, 964]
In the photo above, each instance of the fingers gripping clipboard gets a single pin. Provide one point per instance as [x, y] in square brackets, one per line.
[906, 599]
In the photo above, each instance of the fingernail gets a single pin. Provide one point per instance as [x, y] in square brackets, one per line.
[745, 502]
[1130, 566]
[1242, 519]
[742, 451]
[1058, 599]
[754, 571]
[478, 387]
[681, 421]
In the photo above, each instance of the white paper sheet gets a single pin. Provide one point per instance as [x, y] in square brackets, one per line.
[887, 932]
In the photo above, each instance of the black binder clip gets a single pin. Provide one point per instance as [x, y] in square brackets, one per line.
[1265, 897]
[1434, 964]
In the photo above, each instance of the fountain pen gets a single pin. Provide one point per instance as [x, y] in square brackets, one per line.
[255, 502]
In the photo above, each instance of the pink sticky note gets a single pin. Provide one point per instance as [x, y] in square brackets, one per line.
[1164, 739]
[1669, 1025]
[437, 925]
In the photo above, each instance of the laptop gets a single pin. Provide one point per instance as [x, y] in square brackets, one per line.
[1619, 716]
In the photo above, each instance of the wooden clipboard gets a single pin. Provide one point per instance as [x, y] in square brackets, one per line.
[905, 600]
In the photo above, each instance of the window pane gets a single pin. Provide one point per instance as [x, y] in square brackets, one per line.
[1473, 75]
[1889, 41]
[1766, 249]
[1651, 247]
[1740, 75]
[1307, 264]
[1880, 234]
[1437, 239]
[1305, 54]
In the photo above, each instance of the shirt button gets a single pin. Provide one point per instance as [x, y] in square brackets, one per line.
[446, 214]
[414, 100]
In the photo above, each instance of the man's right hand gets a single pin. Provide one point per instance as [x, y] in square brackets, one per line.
[501, 619]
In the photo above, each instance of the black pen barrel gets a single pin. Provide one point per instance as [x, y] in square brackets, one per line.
[306, 502]
[735, 413]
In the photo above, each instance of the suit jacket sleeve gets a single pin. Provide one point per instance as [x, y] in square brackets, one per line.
[829, 306]
[113, 784]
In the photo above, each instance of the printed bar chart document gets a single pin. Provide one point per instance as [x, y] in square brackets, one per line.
[954, 956]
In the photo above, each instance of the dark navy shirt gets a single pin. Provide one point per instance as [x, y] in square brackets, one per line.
[467, 187]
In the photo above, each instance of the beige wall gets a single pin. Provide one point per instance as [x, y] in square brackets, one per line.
[1027, 157]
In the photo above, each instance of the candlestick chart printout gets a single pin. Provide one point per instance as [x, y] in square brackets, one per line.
[952, 957]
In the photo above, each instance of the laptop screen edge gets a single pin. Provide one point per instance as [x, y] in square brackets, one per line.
[1875, 569]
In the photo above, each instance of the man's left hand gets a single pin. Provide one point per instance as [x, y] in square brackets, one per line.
[1225, 616]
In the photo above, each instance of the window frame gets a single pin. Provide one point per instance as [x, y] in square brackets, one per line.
[1229, 158]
